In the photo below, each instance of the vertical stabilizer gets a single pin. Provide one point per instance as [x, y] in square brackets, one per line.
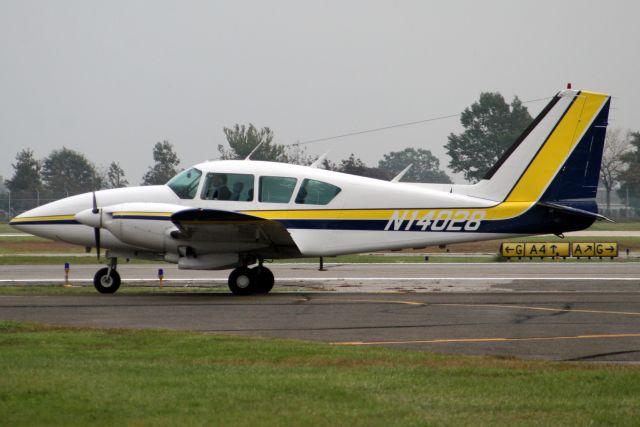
[557, 157]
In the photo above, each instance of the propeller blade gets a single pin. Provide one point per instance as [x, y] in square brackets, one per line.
[96, 233]
[95, 204]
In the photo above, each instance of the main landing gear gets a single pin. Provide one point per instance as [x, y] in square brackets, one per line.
[242, 280]
[247, 281]
[107, 280]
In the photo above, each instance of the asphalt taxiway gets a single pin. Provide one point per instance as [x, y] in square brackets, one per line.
[577, 311]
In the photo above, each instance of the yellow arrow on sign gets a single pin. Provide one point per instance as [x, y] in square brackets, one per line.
[606, 249]
[512, 249]
[584, 249]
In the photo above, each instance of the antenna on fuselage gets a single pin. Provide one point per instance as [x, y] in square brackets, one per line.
[398, 177]
[319, 160]
[254, 150]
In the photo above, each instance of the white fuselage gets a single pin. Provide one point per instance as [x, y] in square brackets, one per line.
[411, 216]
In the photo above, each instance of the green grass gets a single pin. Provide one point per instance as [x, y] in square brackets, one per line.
[6, 228]
[61, 376]
[59, 260]
[616, 226]
[23, 239]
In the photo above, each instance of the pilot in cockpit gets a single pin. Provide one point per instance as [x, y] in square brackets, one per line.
[220, 190]
[237, 190]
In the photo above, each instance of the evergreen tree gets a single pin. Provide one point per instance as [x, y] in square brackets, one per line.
[165, 167]
[26, 174]
[115, 176]
[26, 184]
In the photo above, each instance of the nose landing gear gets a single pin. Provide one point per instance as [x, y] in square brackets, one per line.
[107, 280]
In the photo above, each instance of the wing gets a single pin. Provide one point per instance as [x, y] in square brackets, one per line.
[228, 228]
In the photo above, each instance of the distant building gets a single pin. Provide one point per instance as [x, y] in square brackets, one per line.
[3, 187]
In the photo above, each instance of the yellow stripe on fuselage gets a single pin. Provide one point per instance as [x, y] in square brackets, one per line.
[43, 218]
[503, 210]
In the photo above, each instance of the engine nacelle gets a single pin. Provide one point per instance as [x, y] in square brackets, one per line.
[145, 225]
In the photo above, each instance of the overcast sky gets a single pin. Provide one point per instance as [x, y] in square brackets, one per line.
[111, 78]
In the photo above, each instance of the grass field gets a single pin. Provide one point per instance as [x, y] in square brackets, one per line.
[59, 376]
[616, 226]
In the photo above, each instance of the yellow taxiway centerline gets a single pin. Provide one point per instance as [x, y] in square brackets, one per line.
[483, 340]
[507, 306]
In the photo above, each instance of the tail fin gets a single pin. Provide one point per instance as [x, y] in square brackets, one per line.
[557, 158]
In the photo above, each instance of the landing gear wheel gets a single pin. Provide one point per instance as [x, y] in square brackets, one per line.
[264, 279]
[242, 281]
[106, 283]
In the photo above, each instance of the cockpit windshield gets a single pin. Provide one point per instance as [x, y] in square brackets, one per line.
[185, 184]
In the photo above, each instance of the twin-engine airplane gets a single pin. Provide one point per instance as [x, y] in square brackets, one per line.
[233, 214]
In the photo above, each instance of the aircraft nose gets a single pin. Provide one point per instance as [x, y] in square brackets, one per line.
[89, 217]
[18, 222]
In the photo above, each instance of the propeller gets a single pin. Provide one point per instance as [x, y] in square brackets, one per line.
[96, 230]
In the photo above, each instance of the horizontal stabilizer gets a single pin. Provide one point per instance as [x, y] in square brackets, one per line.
[574, 211]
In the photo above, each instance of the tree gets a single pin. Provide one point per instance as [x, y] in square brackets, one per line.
[613, 165]
[26, 184]
[490, 127]
[26, 174]
[630, 178]
[166, 166]
[355, 166]
[115, 176]
[297, 155]
[67, 172]
[242, 140]
[426, 166]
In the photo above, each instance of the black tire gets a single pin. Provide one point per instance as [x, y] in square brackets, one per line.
[104, 283]
[264, 279]
[242, 281]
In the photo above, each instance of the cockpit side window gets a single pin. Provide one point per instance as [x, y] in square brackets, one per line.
[276, 189]
[185, 184]
[314, 192]
[228, 186]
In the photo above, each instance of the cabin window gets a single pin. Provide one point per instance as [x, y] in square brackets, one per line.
[314, 192]
[228, 186]
[185, 184]
[276, 189]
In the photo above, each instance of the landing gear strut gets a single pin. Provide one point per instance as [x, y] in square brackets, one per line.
[247, 281]
[107, 280]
